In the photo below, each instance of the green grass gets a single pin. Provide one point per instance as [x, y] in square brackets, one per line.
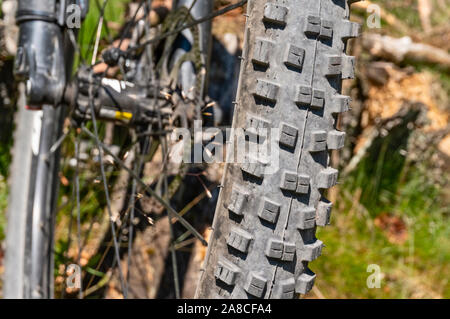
[402, 10]
[416, 268]
[114, 11]
[406, 12]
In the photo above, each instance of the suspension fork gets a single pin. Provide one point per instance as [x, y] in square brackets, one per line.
[44, 62]
[44, 57]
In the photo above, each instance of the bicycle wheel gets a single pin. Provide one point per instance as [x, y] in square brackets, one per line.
[263, 234]
[29, 262]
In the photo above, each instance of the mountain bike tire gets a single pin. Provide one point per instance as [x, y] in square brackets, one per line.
[263, 233]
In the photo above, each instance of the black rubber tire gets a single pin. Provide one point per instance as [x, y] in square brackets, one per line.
[291, 73]
[29, 253]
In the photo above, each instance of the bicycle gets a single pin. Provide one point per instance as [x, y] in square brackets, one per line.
[263, 233]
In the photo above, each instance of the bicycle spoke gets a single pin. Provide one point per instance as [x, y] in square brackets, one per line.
[69, 242]
[97, 39]
[125, 31]
[174, 263]
[157, 131]
[189, 25]
[100, 8]
[131, 206]
[150, 191]
[120, 227]
[102, 168]
[77, 191]
[131, 226]
[97, 140]
[95, 34]
[105, 252]
[58, 143]
[73, 41]
[108, 200]
[163, 142]
[181, 28]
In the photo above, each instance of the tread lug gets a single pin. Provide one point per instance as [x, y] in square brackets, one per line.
[304, 95]
[288, 135]
[340, 103]
[279, 249]
[312, 26]
[323, 213]
[310, 252]
[350, 30]
[267, 90]
[318, 99]
[288, 251]
[274, 248]
[348, 67]
[269, 211]
[275, 13]
[333, 66]
[239, 239]
[226, 271]
[253, 167]
[307, 218]
[289, 181]
[257, 126]
[302, 184]
[335, 140]
[238, 200]
[285, 289]
[304, 283]
[327, 178]
[326, 29]
[255, 284]
[263, 51]
[294, 56]
[318, 141]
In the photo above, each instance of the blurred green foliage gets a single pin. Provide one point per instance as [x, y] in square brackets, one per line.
[415, 268]
[385, 183]
[114, 12]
